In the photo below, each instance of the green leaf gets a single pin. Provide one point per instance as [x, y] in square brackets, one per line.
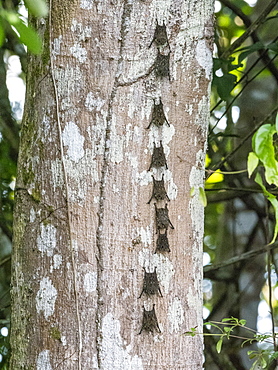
[263, 363]
[254, 365]
[252, 163]
[219, 345]
[264, 149]
[37, 7]
[250, 49]
[29, 37]
[192, 191]
[225, 85]
[272, 199]
[273, 46]
[276, 122]
[2, 33]
[26, 34]
[251, 354]
[202, 197]
[214, 325]
[225, 319]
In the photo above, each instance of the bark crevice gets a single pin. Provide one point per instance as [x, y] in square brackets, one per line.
[127, 7]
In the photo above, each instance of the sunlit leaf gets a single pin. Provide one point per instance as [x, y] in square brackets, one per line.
[250, 49]
[215, 177]
[207, 161]
[37, 7]
[219, 345]
[2, 33]
[202, 197]
[252, 163]
[28, 37]
[265, 151]
[272, 199]
[263, 363]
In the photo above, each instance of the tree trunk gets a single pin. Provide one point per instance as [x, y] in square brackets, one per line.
[99, 168]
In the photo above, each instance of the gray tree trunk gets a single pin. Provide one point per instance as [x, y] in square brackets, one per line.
[85, 232]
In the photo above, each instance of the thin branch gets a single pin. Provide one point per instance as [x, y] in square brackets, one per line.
[5, 260]
[270, 300]
[245, 74]
[235, 259]
[249, 30]
[247, 21]
[239, 93]
[251, 133]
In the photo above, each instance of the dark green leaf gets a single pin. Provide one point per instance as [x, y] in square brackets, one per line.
[225, 85]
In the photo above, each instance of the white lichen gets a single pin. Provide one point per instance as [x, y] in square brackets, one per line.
[82, 33]
[114, 353]
[46, 298]
[46, 240]
[43, 360]
[93, 102]
[86, 4]
[57, 261]
[143, 178]
[56, 50]
[32, 216]
[79, 53]
[90, 282]
[175, 315]
[196, 181]
[74, 141]
[145, 235]
[204, 57]
[164, 134]
[56, 170]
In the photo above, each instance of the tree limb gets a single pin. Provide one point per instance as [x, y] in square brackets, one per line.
[244, 256]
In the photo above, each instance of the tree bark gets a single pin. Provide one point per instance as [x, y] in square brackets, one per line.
[85, 232]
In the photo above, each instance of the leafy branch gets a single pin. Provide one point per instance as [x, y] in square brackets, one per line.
[225, 330]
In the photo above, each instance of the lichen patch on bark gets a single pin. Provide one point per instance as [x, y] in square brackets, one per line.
[46, 298]
[46, 240]
[115, 353]
[175, 315]
[43, 361]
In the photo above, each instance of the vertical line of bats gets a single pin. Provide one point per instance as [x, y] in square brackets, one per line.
[158, 160]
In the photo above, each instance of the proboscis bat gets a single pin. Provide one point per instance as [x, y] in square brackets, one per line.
[162, 243]
[150, 323]
[162, 218]
[160, 35]
[150, 284]
[159, 192]
[158, 115]
[158, 157]
[162, 65]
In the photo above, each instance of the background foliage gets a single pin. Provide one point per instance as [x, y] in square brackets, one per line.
[241, 216]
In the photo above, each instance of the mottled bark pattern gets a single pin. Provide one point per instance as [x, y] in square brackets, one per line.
[83, 183]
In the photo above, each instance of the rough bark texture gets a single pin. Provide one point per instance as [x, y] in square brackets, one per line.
[84, 232]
